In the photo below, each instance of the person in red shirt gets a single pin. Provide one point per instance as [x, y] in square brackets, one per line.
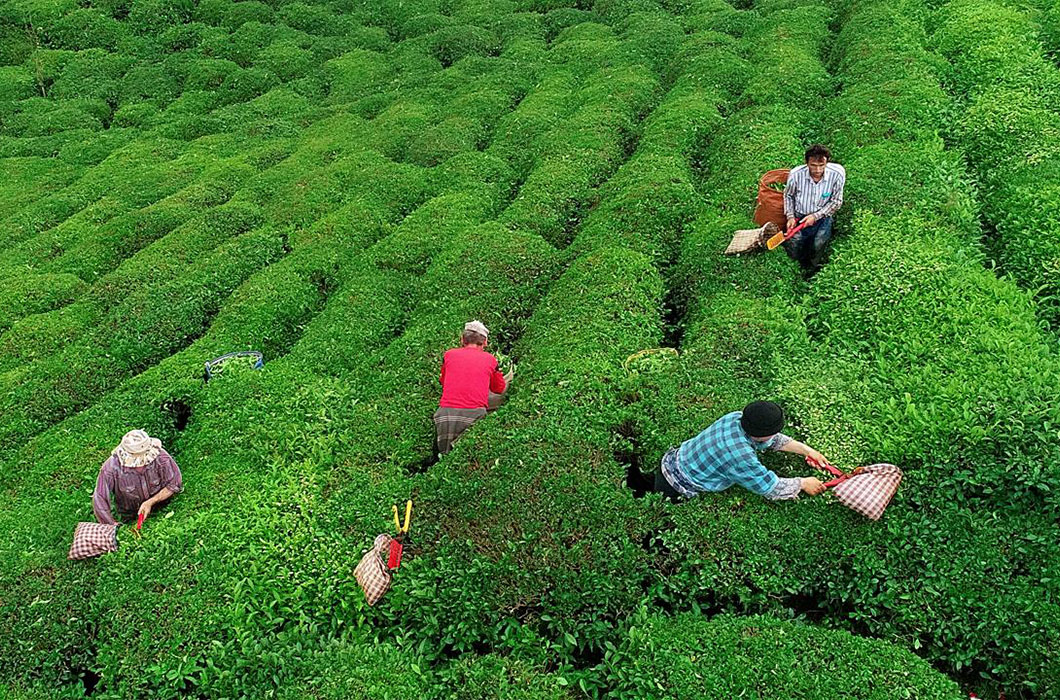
[471, 386]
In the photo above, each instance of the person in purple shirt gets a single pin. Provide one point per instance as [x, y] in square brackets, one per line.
[138, 475]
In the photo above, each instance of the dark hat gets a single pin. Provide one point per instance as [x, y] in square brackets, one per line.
[762, 419]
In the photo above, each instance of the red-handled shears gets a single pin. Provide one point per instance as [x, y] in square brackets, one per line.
[396, 545]
[840, 475]
[139, 524]
[780, 237]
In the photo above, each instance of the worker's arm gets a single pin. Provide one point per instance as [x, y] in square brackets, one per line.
[169, 474]
[441, 377]
[753, 476]
[101, 496]
[787, 489]
[497, 383]
[146, 506]
[172, 482]
[805, 450]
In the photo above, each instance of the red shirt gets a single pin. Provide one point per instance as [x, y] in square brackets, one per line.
[469, 374]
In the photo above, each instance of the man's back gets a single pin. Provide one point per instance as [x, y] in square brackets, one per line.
[723, 455]
[469, 374]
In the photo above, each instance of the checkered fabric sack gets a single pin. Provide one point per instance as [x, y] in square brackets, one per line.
[870, 489]
[749, 240]
[372, 572]
[93, 539]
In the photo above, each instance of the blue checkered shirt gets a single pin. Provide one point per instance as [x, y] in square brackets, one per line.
[723, 455]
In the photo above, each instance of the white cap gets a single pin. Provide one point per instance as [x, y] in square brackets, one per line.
[477, 327]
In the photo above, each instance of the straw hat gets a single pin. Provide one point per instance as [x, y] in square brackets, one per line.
[137, 449]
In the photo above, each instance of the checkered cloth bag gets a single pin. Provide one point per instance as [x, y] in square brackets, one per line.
[93, 539]
[867, 490]
[372, 572]
[749, 240]
[870, 489]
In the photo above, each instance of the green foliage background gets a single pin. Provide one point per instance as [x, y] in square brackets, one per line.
[342, 184]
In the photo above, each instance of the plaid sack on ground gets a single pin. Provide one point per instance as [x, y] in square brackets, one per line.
[870, 489]
[93, 539]
[749, 240]
[372, 573]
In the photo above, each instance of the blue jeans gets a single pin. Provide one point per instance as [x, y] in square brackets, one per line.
[807, 247]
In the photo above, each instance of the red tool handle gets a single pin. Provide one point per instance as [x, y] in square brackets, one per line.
[792, 232]
[140, 521]
[394, 561]
[841, 476]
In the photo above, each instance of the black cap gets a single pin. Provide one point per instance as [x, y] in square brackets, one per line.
[762, 419]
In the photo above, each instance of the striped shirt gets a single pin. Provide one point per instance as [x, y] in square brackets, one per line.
[723, 455]
[803, 196]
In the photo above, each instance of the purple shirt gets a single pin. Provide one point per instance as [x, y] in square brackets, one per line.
[131, 487]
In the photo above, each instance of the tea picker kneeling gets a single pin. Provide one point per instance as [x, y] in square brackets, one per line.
[471, 386]
[139, 474]
[812, 196]
[725, 454]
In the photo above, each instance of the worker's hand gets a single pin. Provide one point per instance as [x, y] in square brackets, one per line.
[818, 457]
[509, 374]
[812, 486]
[792, 223]
[809, 220]
[145, 509]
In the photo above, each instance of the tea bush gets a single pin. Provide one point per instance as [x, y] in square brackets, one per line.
[1010, 92]
[275, 289]
[898, 297]
[904, 314]
[577, 158]
[109, 178]
[145, 326]
[144, 271]
[342, 185]
[27, 295]
[549, 451]
[30, 178]
[524, 508]
[691, 657]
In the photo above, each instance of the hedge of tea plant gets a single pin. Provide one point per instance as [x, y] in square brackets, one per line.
[860, 414]
[1009, 93]
[901, 322]
[688, 656]
[341, 185]
[517, 498]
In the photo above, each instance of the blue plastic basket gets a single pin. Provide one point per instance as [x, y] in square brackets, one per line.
[215, 365]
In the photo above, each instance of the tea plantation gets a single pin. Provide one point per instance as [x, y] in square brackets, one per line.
[341, 185]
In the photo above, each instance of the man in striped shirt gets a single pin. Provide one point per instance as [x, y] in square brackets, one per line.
[813, 195]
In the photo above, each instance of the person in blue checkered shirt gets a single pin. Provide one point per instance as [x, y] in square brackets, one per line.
[726, 454]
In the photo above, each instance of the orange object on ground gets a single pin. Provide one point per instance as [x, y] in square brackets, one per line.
[781, 236]
[770, 203]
